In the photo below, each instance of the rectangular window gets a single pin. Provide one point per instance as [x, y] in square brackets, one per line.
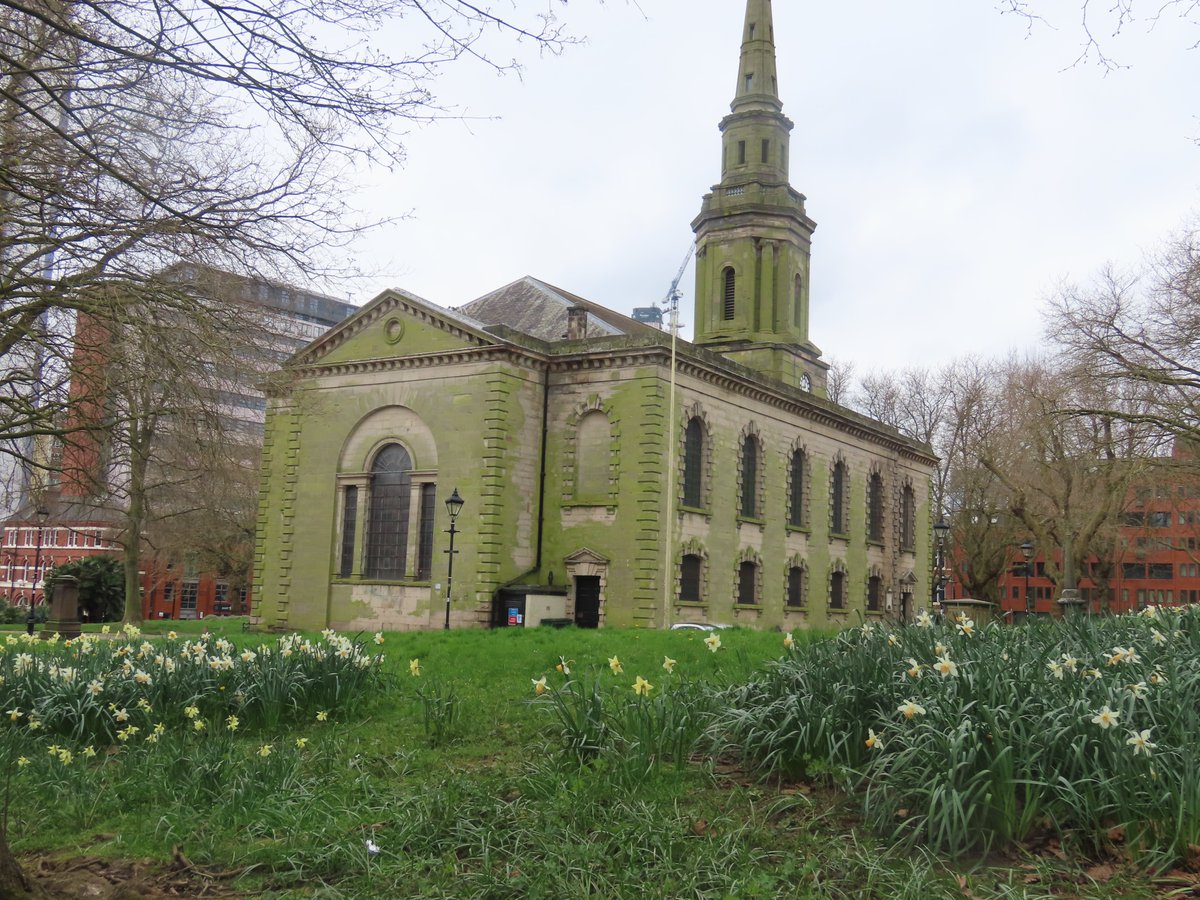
[425, 531]
[795, 587]
[1133, 570]
[349, 517]
[766, 151]
[221, 603]
[741, 153]
[689, 578]
[1158, 519]
[747, 586]
[189, 594]
[1161, 571]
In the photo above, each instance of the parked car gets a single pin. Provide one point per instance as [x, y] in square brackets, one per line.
[697, 626]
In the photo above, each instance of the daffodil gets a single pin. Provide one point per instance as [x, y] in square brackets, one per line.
[198, 725]
[615, 665]
[1070, 662]
[1140, 742]
[14, 714]
[641, 686]
[22, 761]
[379, 637]
[914, 668]
[121, 715]
[191, 711]
[414, 667]
[713, 642]
[89, 752]
[1138, 690]
[231, 722]
[1157, 636]
[668, 664]
[946, 667]
[322, 716]
[966, 627]
[539, 685]
[1158, 678]
[940, 649]
[264, 751]
[788, 641]
[873, 741]
[910, 708]
[924, 619]
[171, 635]
[893, 641]
[1055, 668]
[563, 666]
[1106, 718]
[301, 742]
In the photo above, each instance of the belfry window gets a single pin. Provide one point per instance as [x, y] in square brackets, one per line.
[766, 151]
[741, 153]
[387, 529]
[730, 293]
[749, 82]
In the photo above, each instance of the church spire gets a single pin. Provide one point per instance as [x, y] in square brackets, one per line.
[757, 85]
[753, 237]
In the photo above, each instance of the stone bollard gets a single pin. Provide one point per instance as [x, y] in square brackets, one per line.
[63, 617]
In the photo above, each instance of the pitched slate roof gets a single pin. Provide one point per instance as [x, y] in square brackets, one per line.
[539, 309]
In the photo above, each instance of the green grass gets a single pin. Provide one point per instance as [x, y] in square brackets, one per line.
[470, 784]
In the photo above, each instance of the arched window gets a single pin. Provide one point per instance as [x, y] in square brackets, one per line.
[798, 301]
[839, 484]
[387, 529]
[693, 464]
[875, 507]
[750, 453]
[796, 586]
[592, 456]
[837, 590]
[747, 583]
[797, 514]
[908, 506]
[730, 291]
[689, 577]
[874, 588]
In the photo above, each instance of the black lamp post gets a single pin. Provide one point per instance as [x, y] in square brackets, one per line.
[1027, 552]
[42, 514]
[454, 506]
[940, 530]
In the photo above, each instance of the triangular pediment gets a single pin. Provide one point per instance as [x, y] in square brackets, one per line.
[586, 556]
[395, 324]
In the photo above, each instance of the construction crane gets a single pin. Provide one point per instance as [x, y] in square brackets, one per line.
[670, 303]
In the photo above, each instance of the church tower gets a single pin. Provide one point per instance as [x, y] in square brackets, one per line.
[753, 238]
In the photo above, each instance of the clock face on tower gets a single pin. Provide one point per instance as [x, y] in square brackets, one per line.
[805, 382]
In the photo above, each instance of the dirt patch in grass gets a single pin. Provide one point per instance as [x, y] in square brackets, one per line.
[97, 878]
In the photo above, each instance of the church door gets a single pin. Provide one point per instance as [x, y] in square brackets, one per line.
[587, 601]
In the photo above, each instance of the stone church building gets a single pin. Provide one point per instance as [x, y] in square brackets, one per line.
[610, 474]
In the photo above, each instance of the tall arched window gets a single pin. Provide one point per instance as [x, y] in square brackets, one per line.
[750, 453]
[797, 515]
[693, 464]
[837, 590]
[908, 507]
[747, 583]
[875, 507]
[795, 586]
[837, 498]
[387, 529]
[874, 589]
[689, 577]
[727, 308]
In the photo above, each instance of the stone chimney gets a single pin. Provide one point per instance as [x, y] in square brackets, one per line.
[576, 323]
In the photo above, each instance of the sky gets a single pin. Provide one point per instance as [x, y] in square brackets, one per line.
[958, 166]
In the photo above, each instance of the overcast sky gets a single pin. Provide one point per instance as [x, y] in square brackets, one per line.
[956, 168]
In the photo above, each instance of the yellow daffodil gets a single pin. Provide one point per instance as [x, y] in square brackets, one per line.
[668, 664]
[615, 665]
[89, 752]
[713, 642]
[893, 641]
[301, 742]
[322, 716]
[1158, 678]
[14, 714]
[1070, 662]
[414, 667]
[22, 761]
[564, 667]
[914, 668]
[160, 728]
[1140, 742]
[231, 722]
[924, 619]
[121, 715]
[198, 725]
[264, 751]
[641, 686]
[539, 685]
[171, 635]
[946, 667]
[966, 627]
[191, 711]
[788, 641]
[1106, 718]
[106, 629]
[940, 649]
[1055, 668]
[910, 708]
[379, 637]
[1138, 690]
[1157, 636]
[1094, 674]
[873, 741]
